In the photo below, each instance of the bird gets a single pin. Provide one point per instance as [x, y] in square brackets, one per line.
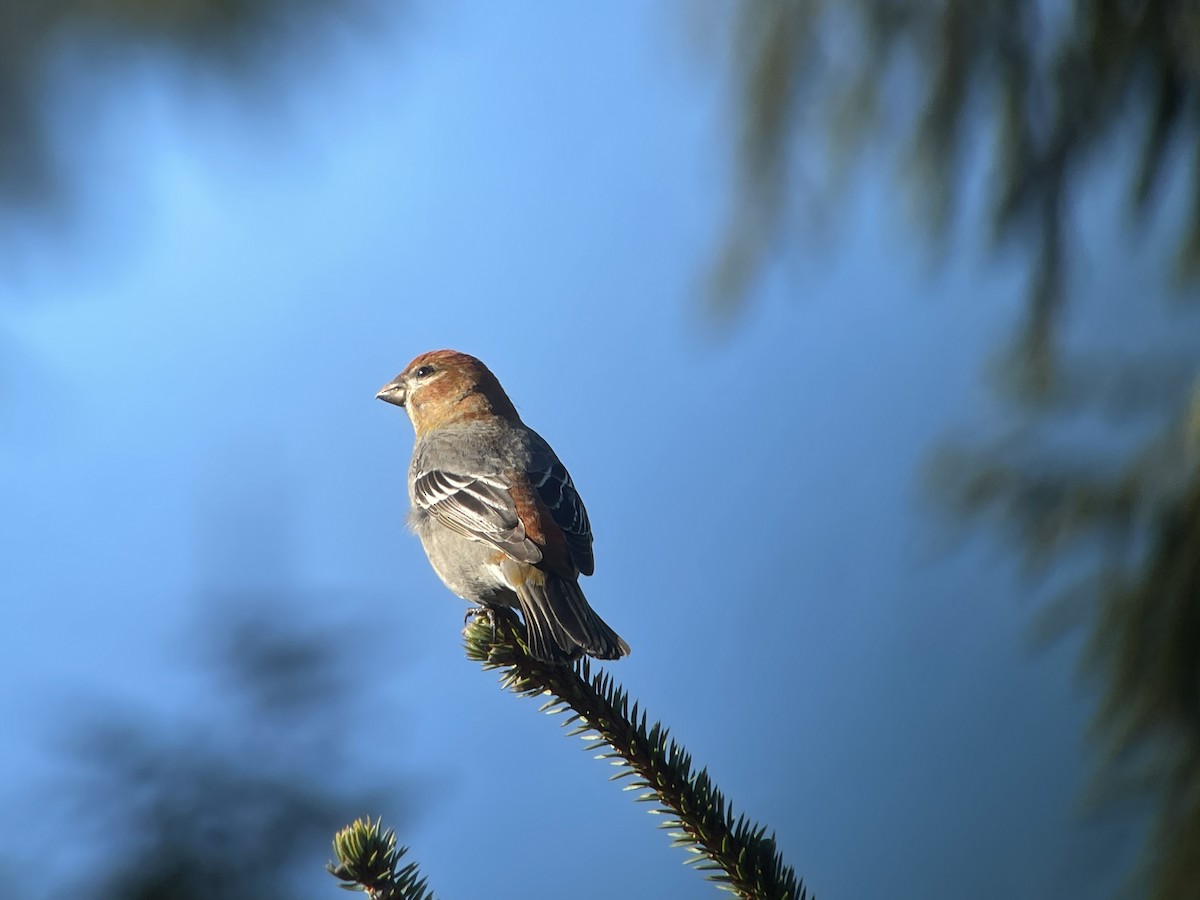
[495, 509]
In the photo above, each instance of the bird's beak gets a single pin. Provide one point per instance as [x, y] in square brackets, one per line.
[393, 392]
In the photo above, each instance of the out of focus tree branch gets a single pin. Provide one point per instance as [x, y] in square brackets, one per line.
[1062, 92]
[241, 38]
[1139, 528]
[233, 800]
[1053, 84]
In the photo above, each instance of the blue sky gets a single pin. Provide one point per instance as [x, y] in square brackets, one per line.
[188, 407]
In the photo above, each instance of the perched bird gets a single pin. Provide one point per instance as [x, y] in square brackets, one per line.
[495, 510]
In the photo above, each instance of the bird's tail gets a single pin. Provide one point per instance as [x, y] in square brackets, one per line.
[560, 622]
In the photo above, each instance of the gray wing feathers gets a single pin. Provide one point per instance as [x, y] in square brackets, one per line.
[477, 507]
[553, 484]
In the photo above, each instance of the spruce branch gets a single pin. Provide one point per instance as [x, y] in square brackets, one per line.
[369, 860]
[739, 855]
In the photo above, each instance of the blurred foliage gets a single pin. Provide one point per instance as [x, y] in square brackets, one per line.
[1129, 536]
[1060, 89]
[1054, 84]
[236, 36]
[235, 799]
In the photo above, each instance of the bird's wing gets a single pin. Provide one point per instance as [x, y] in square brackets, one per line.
[550, 478]
[479, 507]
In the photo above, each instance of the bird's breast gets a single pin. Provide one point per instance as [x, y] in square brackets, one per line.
[466, 567]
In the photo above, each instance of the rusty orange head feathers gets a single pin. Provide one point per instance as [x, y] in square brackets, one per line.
[444, 386]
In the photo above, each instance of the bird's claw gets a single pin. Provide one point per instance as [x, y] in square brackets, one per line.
[475, 612]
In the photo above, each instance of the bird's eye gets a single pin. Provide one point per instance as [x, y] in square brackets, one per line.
[423, 372]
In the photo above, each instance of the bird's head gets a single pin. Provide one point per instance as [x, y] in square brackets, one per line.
[445, 386]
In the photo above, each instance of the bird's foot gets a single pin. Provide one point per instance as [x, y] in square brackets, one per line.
[475, 612]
